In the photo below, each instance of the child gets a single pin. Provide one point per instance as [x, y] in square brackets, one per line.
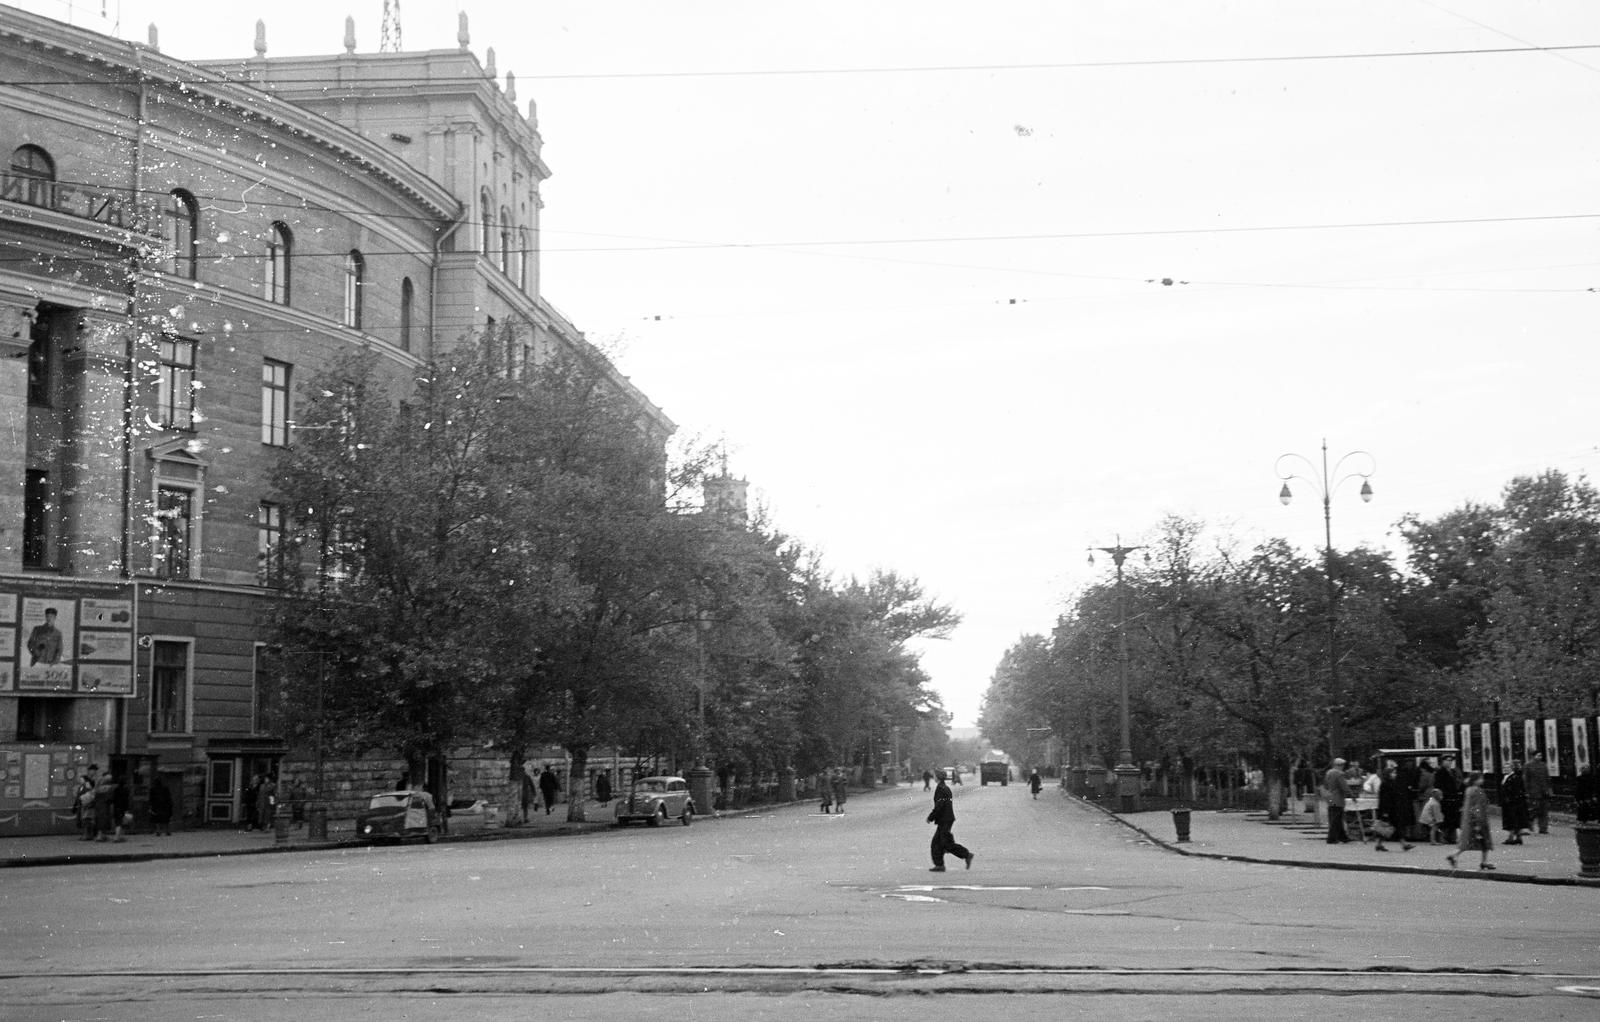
[1432, 816]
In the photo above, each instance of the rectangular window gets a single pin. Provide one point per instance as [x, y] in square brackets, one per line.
[169, 687]
[174, 532]
[38, 515]
[275, 403]
[269, 543]
[41, 355]
[44, 720]
[175, 388]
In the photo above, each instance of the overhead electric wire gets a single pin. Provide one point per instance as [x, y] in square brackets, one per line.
[221, 78]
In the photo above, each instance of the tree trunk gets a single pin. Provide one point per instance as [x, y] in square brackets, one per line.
[577, 783]
[515, 817]
[1274, 776]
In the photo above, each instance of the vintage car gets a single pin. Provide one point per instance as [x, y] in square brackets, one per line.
[472, 814]
[656, 800]
[397, 815]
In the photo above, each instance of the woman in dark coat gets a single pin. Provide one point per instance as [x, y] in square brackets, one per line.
[1513, 804]
[160, 806]
[1395, 808]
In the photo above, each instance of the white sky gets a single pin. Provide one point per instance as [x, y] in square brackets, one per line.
[850, 330]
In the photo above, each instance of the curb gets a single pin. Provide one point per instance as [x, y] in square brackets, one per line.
[1488, 875]
[352, 844]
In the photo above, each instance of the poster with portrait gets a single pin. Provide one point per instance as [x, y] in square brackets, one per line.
[48, 632]
[1552, 748]
[1530, 739]
[1506, 755]
[1580, 742]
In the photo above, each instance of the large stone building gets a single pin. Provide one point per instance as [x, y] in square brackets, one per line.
[182, 245]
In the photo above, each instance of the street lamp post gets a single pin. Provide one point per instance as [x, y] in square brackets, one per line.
[1127, 772]
[1326, 484]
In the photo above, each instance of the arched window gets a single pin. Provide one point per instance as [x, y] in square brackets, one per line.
[355, 278]
[505, 241]
[280, 249]
[408, 295]
[524, 254]
[182, 234]
[34, 176]
[486, 211]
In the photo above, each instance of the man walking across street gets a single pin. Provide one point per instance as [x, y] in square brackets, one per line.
[943, 819]
[1338, 788]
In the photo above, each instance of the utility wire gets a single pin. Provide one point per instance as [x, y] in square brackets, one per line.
[223, 79]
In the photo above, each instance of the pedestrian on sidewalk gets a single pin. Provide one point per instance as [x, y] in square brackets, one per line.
[840, 791]
[160, 801]
[602, 787]
[1394, 809]
[1337, 787]
[1475, 834]
[104, 794]
[943, 819]
[1448, 780]
[825, 789]
[1536, 782]
[549, 787]
[1513, 804]
[83, 802]
[1432, 817]
[1034, 783]
[927, 780]
[121, 802]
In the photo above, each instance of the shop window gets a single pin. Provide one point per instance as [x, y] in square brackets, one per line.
[44, 720]
[169, 687]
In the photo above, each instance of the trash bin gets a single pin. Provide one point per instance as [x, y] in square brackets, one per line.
[317, 822]
[1180, 820]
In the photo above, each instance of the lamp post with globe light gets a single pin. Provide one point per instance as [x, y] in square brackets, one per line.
[1326, 484]
[1126, 770]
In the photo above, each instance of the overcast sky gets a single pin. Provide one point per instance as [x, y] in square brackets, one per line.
[908, 259]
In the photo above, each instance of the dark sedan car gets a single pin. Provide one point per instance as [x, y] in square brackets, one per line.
[398, 815]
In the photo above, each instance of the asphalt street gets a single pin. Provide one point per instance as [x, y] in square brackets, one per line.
[787, 912]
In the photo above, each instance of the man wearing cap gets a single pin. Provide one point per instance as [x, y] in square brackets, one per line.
[1338, 789]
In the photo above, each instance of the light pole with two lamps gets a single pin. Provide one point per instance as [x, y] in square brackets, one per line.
[1326, 484]
[1126, 770]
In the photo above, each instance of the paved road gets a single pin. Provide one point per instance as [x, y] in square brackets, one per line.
[787, 913]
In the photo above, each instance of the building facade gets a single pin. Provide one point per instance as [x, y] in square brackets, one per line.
[182, 246]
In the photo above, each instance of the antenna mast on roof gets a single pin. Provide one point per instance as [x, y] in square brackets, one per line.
[390, 42]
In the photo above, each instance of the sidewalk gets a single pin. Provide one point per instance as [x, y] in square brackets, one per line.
[68, 850]
[1296, 840]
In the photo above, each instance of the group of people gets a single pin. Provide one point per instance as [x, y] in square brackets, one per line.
[102, 805]
[1454, 808]
[833, 789]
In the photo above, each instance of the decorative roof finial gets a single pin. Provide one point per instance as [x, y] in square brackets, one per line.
[462, 38]
[511, 86]
[261, 38]
[349, 34]
[154, 37]
[489, 70]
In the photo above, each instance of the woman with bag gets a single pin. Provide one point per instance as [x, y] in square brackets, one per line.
[1474, 823]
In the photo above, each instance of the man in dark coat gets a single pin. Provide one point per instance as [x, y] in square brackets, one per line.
[1451, 791]
[1536, 782]
[1337, 788]
[160, 801]
[548, 786]
[1394, 808]
[943, 819]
